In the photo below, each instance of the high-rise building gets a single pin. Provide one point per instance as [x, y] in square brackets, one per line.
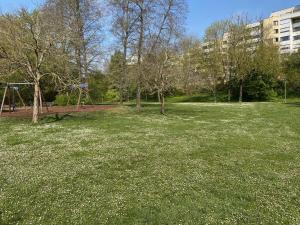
[283, 28]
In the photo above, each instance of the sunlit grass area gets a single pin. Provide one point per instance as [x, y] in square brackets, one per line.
[202, 163]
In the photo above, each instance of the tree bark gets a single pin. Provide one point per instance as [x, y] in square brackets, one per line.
[121, 94]
[35, 114]
[229, 87]
[241, 92]
[229, 94]
[138, 97]
[79, 98]
[215, 93]
[162, 103]
[140, 49]
[158, 96]
[285, 91]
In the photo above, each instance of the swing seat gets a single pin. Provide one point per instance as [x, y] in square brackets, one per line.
[6, 108]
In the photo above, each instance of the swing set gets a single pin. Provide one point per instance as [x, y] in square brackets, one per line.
[9, 96]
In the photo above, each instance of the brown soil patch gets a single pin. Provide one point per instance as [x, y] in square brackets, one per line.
[27, 112]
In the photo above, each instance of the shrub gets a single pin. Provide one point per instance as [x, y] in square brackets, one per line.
[63, 100]
[260, 87]
[112, 95]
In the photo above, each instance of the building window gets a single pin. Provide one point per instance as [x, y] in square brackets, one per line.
[276, 31]
[296, 20]
[296, 29]
[284, 31]
[276, 39]
[296, 38]
[275, 23]
[285, 48]
[286, 38]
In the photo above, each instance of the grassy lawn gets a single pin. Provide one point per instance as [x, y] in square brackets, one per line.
[203, 163]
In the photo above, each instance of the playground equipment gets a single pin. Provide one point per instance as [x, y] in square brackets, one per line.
[10, 91]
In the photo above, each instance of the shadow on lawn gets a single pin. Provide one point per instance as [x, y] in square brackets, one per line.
[63, 117]
[55, 118]
[171, 110]
[293, 104]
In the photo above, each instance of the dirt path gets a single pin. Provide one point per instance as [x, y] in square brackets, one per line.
[27, 113]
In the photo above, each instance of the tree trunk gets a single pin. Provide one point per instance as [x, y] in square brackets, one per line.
[121, 94]
[138, 97]
[215, 94]
[79, 98]
[158, 96]
[285, 91]
[35, 114]
[140, 49]
[123, 79]
[214, 88]
[162, 103]
[40, 101]
[241, 92]
[229, 94]
[127, 95]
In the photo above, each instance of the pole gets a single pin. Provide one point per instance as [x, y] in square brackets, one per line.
[2, 104]
[13, 99]
[9, 103]
[45, 102]
[18, 93]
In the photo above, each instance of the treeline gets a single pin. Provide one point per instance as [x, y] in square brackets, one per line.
[60, 47]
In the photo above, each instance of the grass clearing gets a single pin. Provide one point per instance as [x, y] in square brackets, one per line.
[203, 163]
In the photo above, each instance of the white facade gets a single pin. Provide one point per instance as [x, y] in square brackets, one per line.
[287, 26]
[282, 27]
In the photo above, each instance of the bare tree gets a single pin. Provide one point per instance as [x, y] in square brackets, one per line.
[81, 23]
[142, 8]
[161, 45]
[28, 40]
[216, 54]
[191, 62]
[124, 24]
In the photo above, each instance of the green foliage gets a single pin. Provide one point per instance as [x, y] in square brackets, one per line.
[98, 86]
[64, 99]
[259, 87]
[291, 67]
[116, 70]
[112, 95]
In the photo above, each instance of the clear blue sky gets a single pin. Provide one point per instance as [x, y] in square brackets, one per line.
[201, 12]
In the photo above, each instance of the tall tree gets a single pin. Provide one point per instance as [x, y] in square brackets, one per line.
[241, 49]
[81, 23]
[124, 24]
[191, 65]
[162, 44]
[216, 54]
[291, 73]
[142, 8]
[28, 41]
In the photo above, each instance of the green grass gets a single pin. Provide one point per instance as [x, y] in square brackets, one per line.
[203, 163]
[204, 97]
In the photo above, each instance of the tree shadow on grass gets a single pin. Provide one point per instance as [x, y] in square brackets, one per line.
[67, 116]
[153, 109]
[55, 118]
[293, 104]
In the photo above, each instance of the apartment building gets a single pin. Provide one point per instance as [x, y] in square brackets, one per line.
[282, 28]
